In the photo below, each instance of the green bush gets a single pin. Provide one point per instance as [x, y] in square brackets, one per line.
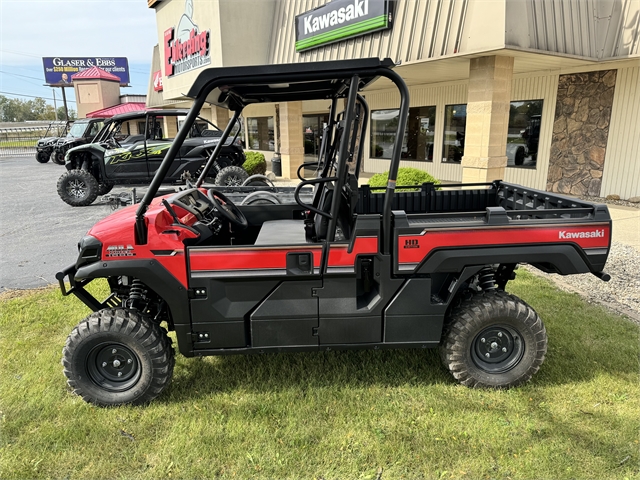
[407, 176]
[255, 163]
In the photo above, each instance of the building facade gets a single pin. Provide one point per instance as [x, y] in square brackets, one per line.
[538, 92]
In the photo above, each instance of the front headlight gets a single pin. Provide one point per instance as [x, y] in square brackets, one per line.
[89, 251]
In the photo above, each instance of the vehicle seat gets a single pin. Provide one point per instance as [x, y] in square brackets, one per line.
[281, 232]
[131, 139]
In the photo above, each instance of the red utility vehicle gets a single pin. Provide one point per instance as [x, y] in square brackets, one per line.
[349, 269]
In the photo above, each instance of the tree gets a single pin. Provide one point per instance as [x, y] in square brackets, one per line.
[16, 110]
[61, 115]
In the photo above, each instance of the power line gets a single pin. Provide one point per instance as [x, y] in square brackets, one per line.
[33, 96]
[19, 53]
[18, 75]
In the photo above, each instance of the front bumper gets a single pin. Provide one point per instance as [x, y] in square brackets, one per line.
[76, 287]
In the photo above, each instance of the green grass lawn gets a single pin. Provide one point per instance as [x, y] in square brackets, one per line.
[18, 143]
[337, 415]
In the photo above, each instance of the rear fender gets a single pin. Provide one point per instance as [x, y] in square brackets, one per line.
[564, 259]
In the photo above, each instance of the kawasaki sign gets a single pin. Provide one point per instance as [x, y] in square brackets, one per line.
[339, 20]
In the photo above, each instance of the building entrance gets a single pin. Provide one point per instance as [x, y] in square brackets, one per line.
[312, 128]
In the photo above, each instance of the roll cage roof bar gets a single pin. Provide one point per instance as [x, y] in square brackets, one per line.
[236, 87]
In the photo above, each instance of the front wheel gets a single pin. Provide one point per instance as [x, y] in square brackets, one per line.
[493, 340]
[116, 357]
[42, 157]
[57, 157]
[78, 188]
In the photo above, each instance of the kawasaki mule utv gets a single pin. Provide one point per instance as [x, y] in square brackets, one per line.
[350, 269]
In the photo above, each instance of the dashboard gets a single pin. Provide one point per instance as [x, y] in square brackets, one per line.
[193, 201]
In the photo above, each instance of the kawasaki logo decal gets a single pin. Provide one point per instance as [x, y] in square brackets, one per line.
[341, 19]
[592, 234]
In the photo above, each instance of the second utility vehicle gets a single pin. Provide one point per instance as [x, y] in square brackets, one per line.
[348, 269]
[82, 131]
[131, 147]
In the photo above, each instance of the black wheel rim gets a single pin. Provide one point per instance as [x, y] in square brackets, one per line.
[113, 367]
[76, 188]
[497, 349]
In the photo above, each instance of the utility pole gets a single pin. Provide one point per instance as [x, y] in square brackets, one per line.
[64, 99]
[55, 106]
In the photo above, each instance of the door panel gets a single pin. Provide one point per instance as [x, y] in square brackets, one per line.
[249, 296]
[129, 162]
[288, 316]
[350, 298]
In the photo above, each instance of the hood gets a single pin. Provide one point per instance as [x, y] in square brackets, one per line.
[47, 140]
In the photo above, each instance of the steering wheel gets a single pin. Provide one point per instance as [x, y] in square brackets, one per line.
[227, 208]
[114, 142]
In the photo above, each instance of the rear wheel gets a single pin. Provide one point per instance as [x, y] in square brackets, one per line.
[42, 157]
[519, 157]
[231, 176]
[493, 340]
[104, 188]
[117, 356]
[78, 188]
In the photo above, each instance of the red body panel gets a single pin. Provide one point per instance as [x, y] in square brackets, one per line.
[413, 249]
[248, 258]
[117, 230]
[275, 258]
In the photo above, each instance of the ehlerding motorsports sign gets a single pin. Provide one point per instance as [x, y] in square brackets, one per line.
[339, 20]
[186, 47]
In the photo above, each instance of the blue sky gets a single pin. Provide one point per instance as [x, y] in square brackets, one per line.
[30, 30]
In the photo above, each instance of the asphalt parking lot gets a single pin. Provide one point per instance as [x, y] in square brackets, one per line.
[39, 231]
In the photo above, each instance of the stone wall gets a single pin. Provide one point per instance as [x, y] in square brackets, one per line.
[580, 132]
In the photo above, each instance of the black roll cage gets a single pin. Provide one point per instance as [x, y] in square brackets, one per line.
[290, 78]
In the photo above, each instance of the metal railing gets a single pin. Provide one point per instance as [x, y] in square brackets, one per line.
[17, 141]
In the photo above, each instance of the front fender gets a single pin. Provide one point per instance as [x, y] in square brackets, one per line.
[157, 278]
[93, 149]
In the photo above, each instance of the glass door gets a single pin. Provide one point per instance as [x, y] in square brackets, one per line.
[312, 128]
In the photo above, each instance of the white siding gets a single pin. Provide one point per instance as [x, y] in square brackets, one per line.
[421, 29]
[536, 88]
[621, 175]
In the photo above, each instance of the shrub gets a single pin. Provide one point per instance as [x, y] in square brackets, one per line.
[255, 163]
[377, 150]
[407, 176]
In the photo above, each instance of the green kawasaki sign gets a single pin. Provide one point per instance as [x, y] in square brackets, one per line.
[339, 20]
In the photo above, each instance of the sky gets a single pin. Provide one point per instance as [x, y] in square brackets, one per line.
[32, 29]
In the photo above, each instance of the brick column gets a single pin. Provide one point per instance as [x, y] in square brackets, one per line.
[170, 127]
[489, 97]
[220, 116]
[291, 138]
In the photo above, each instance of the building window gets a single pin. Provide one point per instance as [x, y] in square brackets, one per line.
[260, 131]
[418, 138]
[455, 125]
[523, 135]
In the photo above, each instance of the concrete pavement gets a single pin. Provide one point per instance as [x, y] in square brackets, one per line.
[626, 225]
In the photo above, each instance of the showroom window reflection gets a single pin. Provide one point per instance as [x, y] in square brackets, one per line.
[455, 126]
[523, 135]
[260, 134]
[418, 138]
